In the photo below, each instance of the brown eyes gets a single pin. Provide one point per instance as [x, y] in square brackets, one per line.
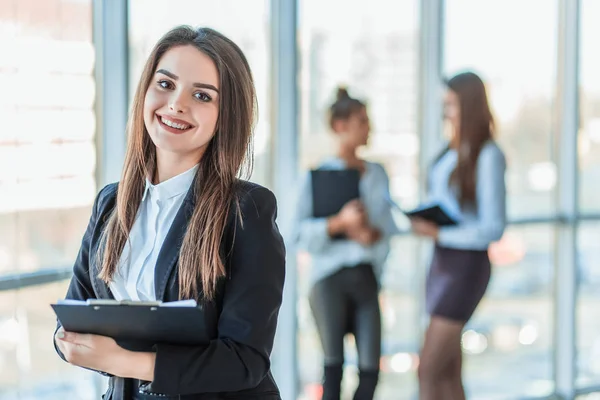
[167, 85]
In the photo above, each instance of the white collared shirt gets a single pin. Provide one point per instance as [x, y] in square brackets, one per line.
[134, 279]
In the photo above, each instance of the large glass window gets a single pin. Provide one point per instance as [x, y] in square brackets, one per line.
[511, 334]
[47, 182]
[589, 134]
[520, 87]
[373, 50]
[247, 23]
[588, 314]
[47, 150]
[29, 365]
[513, 326]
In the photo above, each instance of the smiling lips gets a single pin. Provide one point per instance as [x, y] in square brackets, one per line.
[173, 125]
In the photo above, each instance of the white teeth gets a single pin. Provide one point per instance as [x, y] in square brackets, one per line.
[174, 124]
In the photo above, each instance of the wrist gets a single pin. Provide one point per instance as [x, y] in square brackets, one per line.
[335, 226]
[137, 365]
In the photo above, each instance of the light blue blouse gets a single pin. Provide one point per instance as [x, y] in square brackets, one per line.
[329, 256]
[478, 226]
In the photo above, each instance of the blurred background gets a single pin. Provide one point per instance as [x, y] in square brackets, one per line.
[68, 71]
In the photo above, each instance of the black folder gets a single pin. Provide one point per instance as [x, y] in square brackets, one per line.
[135, 326]
[332, 189]
[430, 212]
[433, 213]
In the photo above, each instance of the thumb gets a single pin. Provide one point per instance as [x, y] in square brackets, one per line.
[72, 337]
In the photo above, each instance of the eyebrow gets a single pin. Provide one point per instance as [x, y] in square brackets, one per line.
[198, 85]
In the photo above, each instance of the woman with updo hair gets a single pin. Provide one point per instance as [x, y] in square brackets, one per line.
[348, 251]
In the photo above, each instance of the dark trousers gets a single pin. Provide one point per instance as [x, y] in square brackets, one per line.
[347, 302]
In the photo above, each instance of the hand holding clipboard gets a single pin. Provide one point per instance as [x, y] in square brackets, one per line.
[135, 325]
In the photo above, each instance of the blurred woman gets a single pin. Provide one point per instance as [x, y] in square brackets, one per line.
[346, 273]
[467, 179]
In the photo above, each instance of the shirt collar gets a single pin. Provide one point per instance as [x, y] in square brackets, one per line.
[171, 187]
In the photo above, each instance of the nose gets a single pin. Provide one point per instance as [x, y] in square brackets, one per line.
[177, 103]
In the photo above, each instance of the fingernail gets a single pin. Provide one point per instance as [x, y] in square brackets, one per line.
[60, 335]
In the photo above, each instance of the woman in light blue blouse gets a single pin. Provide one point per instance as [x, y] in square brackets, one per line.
[467, 180]
[346, 273]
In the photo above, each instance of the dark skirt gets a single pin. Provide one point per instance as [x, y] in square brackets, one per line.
[456, 282]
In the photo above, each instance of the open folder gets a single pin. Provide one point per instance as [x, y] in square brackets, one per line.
[431, 212]
[135, 325]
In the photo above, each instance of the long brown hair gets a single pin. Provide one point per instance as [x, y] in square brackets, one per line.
[476, 128]
[200, 257]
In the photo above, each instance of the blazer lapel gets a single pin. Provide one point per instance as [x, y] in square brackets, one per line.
[169, 252]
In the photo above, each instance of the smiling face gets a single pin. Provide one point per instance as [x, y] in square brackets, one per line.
[181, 106]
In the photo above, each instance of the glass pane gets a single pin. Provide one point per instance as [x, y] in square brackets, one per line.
[588, 313]
[47, 145]
[247, 23]
[399, 299]
[589, 134]
[521, 93]
[509, 339]
[374, 52]
[29, 365]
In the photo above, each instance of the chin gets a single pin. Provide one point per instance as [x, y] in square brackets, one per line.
[170, 148]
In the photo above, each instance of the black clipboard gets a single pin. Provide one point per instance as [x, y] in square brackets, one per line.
[332, 189]
[135, 326]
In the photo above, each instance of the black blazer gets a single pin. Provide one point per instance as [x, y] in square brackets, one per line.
[242, 319]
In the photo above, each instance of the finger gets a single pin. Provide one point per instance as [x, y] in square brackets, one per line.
[351, 203]
[61, 345]
[355, 201]
[75, 338]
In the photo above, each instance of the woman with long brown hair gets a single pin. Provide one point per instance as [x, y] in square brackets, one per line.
[467, 179]
[181, 225]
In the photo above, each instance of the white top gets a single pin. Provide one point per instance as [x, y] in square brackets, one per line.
[134, 279]
[478, 224]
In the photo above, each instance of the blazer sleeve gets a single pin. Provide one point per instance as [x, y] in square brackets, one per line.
[239, 358]
[80, 287]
